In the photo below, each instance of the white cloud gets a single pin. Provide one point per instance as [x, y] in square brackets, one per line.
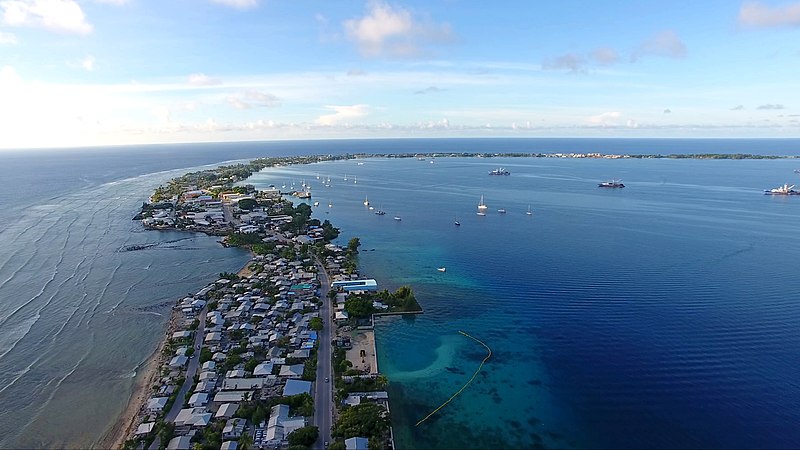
[9, 77]
[665, 43]
[253, 99]
[759, 15]
[64, 16]
[605, 119]
[429, 90]
[7, 38]
[632, 123]
[570, 62]
[770, 106]
[342, 114]
[112, 2]
[201, 79]
[392, 31]
[605, 55]
[88, 63]
[238, 4]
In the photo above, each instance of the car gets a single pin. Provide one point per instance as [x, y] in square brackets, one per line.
[326, 379]
[326, 442]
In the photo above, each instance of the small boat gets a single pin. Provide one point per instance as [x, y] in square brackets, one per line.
[442, 269]
[611, 184]
[782, 190]
[380, 212]
[397, 218]
[330, 204]
[481, 213]
[345, 177]
[355, 180]
[316, 203]
[501, 211]
[499, 171]
[366, 201]
[361, 164]
[529, 212]
[457, 223]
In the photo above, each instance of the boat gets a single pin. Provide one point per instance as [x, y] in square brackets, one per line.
[482, 206]
[481, 213]
[330, 204]
[345, 177]
[500, 171]
[366, 201]
[316, 203]
[442, 269]
[501, 211]
[355, 180]
[380, 212]
[782, 190]
[397, 218]
[456, 223]
[303, 194]
[529, 212]
[361, 164]
[611, 184]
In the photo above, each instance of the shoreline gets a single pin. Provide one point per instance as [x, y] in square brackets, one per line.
[126, 424]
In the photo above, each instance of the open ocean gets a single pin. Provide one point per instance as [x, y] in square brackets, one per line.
[664, 314]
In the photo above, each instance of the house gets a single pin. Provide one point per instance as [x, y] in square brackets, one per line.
[209, 366]
[198, 399]
[156, 405]
[144, 429]
[226, 411]
[356, 443]
[263, 369]
[293, 371]
[181, 334]
[294, 387]
[180, 443]
[229, 445]
[233, 428]
[178, 362]
[233, 384]
[192, 417]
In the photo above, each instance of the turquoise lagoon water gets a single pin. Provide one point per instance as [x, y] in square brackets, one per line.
[659, 315]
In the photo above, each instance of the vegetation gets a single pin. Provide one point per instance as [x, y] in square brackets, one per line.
[242, 239]
[367, 419]
[315, 324]
[359, 306]
[305, 436]
[247, 204]
[310, 366]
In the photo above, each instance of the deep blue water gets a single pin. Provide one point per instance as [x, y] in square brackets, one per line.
[661, 315]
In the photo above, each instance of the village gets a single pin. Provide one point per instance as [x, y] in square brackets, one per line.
[278, 356]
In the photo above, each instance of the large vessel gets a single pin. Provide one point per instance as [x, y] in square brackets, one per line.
[782, 190]
[499, 171]
[611, 184]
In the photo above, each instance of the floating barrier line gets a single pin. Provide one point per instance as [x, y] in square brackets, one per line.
[489, 355]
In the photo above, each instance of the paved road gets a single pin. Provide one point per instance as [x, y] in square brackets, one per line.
[323, 392]
[194, 362]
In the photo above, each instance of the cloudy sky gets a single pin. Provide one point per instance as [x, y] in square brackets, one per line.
[99, 72]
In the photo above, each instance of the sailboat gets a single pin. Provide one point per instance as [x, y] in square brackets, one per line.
[482, 207]
[380, 211]
[330, 204]
[345, 177]
[355, 180]
[529, 212]
[366, 201]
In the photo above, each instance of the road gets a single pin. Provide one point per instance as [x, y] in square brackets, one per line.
[323, 391]
[191, 369]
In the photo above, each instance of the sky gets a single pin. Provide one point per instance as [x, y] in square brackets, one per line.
[111, 72]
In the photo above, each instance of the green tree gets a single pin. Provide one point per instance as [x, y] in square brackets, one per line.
[315, 324]
[304, 436]
[359, 306]
[247, 204]
[353, 244]
[366, 419]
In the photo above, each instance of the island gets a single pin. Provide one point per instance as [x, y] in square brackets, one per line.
[279, 355]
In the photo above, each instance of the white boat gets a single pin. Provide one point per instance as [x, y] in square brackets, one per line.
[529, 212]
[442, 269]
[501, 211]
[330, 204]
[355, 180]
[397, 218]
[481, 213]
[316, 203]
[361, 164]
[782, 190]
[456, 222]
[482, 206]
[366, 201]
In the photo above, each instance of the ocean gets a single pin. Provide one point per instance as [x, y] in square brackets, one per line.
[663, 314]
